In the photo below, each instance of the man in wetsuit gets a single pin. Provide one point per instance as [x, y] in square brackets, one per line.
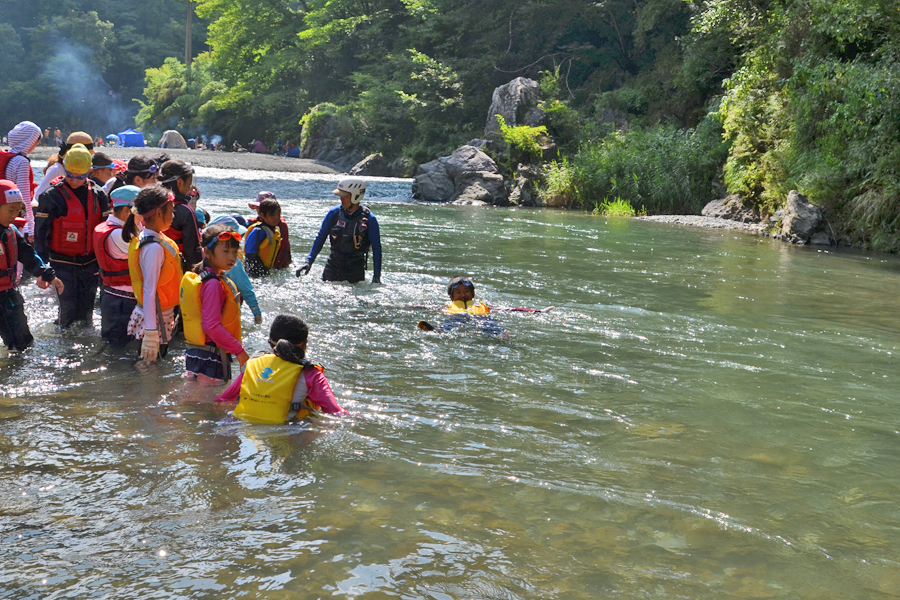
[352, 230]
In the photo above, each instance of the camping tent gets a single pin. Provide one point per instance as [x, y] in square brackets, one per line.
[131, 138]
[293, 152]
[172, 139]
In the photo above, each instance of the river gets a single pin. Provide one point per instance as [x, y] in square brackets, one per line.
[706, 414]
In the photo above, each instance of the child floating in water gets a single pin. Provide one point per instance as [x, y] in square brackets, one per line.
[211, 309]
[13, 247]
[463, 304]
[282, 386]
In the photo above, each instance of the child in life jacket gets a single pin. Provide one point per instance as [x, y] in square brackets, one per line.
[154, 266]
[282, 257]
[14, 247]
[117, 300]
[264, 240]
[463, 308]
[238, 274]
[282, 386]
[211, 309]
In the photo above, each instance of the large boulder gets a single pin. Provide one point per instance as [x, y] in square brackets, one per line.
[468, 175]
[801, 219]
[518, 102]
[329, 137]
[525, 187]
[374, 165]
[733, 208]
[403, 167]
[432, 183]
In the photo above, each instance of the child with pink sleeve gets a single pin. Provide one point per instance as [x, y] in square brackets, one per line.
[282, 386]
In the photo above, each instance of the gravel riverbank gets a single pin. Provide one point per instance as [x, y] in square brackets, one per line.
[218, 160]
[708, 222]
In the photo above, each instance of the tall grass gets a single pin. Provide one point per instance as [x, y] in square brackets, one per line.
[665, 170]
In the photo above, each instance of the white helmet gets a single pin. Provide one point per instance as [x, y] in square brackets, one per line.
[355, 187]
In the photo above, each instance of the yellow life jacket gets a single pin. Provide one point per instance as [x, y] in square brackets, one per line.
[191, 310]
[267, 392]
[167, 287]
[473, 308]
[269, 247]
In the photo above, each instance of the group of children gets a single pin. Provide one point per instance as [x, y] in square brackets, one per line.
[164, 266]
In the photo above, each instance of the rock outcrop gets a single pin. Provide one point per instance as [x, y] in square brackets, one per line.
[327, 137]
[803, 221]
[518, 103]
[732, 207]
[374, 165]
[468, 176]
[525, 187]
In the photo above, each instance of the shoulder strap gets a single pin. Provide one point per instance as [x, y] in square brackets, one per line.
[148, 239]
[207, 275]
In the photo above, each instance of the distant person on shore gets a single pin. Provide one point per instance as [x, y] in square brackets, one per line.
[57, 137]
[15, 166]
[282, 386]
[178, 177]
[267, 237]
[65, 219]
[15, 248]
[58, 171]
[117, 301]
[155, 269]
[352, 229]
[211, 309]
[46, 139]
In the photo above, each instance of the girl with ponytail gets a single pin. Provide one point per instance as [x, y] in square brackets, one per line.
[282, 386]
[155, 268]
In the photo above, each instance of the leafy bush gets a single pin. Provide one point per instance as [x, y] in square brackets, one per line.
[560, 189]
[522, 141]
[614, 208]
[667, 170]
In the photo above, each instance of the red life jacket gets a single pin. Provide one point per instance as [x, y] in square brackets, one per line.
[176, 235]
[113, 271]
[283, 258]
[5, 157]
[71, 235]
[9, 256]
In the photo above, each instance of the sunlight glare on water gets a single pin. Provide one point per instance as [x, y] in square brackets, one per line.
[704, 415]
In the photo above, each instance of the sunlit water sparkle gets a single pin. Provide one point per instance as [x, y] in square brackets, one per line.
[705, 415]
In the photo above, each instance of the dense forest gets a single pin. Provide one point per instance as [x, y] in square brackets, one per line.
[654, 102]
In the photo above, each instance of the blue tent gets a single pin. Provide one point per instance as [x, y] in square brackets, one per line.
[294, 152]
[131, 138]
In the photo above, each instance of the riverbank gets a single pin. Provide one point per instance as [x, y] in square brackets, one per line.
[218, 160]
[708, 222]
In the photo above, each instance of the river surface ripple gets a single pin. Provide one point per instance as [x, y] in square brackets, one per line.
[706, 414]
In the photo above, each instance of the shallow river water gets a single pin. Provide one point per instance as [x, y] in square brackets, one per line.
[706, 414]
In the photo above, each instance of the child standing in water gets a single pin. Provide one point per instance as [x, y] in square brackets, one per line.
[282, 386]
[155, 269]
[211, 309]
[264, 240]
[14, 247]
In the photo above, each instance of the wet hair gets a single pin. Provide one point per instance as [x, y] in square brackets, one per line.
[148, 200]
[458, 281]
[52, 160]
[286, 335]
[138, 166]
[268, 206]
[208, 237]
[160, 158]
[173, 170]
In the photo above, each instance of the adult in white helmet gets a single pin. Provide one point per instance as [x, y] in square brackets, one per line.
[352, 230]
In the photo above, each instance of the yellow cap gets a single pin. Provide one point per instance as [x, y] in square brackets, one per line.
[78, 160]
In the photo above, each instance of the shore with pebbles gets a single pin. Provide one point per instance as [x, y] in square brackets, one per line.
[708, 222]
[217, 160]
